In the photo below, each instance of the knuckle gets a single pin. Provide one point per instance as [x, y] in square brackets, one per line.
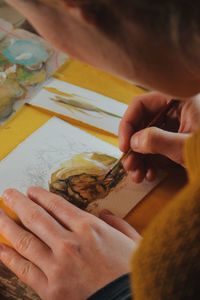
[136, 100]
[25, 271]
[179, 159]
[85, 227]
[52, 205]
[86, 224]
[9, 260]
[89, 226]
[33, 216]
[24, 242]
[67, 246]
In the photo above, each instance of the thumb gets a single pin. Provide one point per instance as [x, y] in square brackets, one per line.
[157, 141]
[120, 225]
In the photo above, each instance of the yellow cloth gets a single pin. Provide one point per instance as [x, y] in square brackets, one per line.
[166, 266]
[29, 119]
[167, 263]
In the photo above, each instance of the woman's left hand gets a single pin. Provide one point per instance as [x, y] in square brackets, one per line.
[60, 251]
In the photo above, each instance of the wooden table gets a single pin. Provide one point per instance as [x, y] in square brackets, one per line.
[15, 132]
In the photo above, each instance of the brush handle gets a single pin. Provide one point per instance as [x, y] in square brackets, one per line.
[157, 121]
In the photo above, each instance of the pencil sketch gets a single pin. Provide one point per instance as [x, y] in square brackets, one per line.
[40, 155]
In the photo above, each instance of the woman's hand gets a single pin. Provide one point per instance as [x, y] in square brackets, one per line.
[60, 251]
[145, 143]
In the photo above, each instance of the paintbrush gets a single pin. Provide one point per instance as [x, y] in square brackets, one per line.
[157, 121]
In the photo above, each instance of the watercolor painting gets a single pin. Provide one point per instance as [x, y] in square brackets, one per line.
[26, 61]
[80, 104]
[76, 103]
[65, 160]
[82, 180]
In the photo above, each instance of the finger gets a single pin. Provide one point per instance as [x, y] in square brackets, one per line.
[136, 113]
[65, 212]
[24, 242]
[157, 141]
[120, 225]
[132, 162]
[150, 174]
[126, 130]
[35, 218]
[138, 175]
[23, 269]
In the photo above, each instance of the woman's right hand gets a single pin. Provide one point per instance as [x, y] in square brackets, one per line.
[151, 143]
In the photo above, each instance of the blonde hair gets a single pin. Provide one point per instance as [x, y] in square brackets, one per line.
[176, 22]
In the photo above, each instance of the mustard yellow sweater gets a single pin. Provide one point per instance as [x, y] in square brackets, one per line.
[167, 263]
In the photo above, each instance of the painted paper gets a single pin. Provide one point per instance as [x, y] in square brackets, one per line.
[80, 104]
[33, 162]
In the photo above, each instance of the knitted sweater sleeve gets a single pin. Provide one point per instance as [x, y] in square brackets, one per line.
[167, 263]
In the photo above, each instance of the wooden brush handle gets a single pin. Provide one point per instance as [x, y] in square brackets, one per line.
[157, 121]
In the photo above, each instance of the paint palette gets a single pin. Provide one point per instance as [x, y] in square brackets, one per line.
[28, 53]
[26, 61]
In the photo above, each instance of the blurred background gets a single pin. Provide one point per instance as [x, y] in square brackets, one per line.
[9, 14]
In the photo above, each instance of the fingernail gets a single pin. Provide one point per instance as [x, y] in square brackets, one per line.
[6, 196]
[135, 142]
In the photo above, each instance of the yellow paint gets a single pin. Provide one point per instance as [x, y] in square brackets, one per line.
[29, 119]
[55, 91]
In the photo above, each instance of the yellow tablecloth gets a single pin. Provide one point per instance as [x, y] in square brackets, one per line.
[29, 119]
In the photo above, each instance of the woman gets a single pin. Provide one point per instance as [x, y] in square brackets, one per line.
[64, 253]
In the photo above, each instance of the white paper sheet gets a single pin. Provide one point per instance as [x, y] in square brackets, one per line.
[32, 162]
[106, 115]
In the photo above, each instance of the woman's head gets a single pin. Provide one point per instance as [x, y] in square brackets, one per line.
[152, 42]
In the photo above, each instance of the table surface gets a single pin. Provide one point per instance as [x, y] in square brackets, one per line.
[15, 132]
